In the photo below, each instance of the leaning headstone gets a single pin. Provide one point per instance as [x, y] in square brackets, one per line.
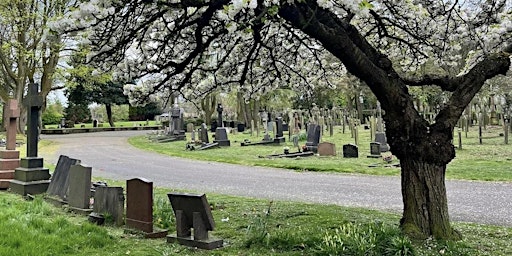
[350, 150]
[59, 182]
[10, 157]
[139, 208]
[79, 190]
[108, 201]
[31, 177]
[326, 149]
[193, 213]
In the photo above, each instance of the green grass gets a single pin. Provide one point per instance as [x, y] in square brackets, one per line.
[491, 161]
[248, 226]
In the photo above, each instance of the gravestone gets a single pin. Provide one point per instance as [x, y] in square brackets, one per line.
[139, 207]
[59, 182]
[190, 127]
[279, 136]
[193, 212]
[313, 137]
[108, 201]
[10, 157]
[176, 124]
[221, 137]
[375, 150]
[31, 177]
[79, 190]
[326, 149]
[221, 133]
[380, 135]
[95, 123]
[350, 151]
[203, 134]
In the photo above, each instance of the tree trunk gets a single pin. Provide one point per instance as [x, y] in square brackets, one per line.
[425, 203]
[108, 108]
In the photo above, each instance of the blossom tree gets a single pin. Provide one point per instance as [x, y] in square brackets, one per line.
[29, 53]
[258, 45]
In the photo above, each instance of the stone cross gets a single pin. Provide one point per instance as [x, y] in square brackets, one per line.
[33, 102]
[219, 117]
[13, 112]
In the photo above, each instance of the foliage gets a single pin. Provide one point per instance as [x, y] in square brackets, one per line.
[119, 112]
[77, 113]
[51, 116]
[147, 112]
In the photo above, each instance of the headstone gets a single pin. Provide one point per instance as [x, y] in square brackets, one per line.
[193, 213]
[380, 137]
[95, 123]
[190, 127]
[350, 151]
[193, 135]
[79, 190]
[326, 149]
[139, 207]
[221, 137]
[176, 124]
[313, 137]
[59, 182]
[203, 134]
[31, 177]
[9, 158]
[375, 150]
[279, 136]
[108, 201]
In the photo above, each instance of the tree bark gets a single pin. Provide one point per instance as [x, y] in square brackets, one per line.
[425, 202]
[108, 108]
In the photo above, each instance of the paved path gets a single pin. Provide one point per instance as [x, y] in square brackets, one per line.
[112, 157]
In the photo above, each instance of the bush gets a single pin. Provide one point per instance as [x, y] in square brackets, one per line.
[51, 117]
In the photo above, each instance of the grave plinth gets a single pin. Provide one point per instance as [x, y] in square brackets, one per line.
[193, 212]
[31, 177]
[10, 157]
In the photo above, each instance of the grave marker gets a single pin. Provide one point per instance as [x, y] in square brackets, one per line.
[79, 190]
[31, 177]
[9, 158]
[139, 207]
[313, 137]
[193, 212]
[110, 201]
[59, 183]
[326, 149]
[350, 151]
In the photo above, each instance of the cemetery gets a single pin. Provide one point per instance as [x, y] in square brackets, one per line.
[143, 211]
[385, 126]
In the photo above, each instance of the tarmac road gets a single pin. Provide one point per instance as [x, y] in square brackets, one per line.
[112, 157]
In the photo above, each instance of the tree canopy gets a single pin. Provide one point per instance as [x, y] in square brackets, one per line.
[259, 45]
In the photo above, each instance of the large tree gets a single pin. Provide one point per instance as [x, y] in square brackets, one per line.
[259, 45]
[29, 52]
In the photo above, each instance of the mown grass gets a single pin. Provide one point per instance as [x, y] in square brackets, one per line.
[491, 161]
[248, 226]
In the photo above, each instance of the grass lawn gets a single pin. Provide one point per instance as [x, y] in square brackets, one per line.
[491, 161]
[248, 226]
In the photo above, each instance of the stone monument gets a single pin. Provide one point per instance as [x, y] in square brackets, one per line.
[10, 157]
[221, 133]
[31, 177]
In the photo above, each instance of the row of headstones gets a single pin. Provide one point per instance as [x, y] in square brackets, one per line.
[71, 185]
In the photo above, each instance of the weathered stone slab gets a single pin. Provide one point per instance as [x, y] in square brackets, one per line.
[350, 151]
[327, 149]
[79, 190]
[59, 183]
[109, 201]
